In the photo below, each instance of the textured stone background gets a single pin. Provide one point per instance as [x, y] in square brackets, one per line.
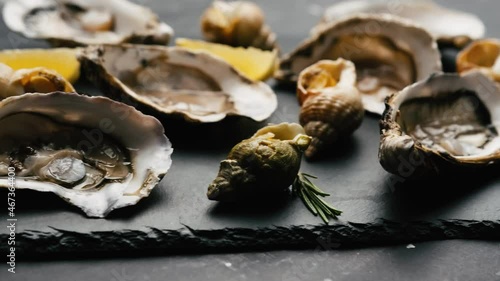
[178, 219]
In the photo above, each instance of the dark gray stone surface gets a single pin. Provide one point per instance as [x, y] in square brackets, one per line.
[451, 260]
[378, 208]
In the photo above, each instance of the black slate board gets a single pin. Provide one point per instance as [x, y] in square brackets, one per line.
[177, 217]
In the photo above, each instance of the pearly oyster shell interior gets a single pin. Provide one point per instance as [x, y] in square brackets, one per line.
[94, 153]
[84, 22]
[389, 53]
[441, 123]
[446, 25]
[175, 81]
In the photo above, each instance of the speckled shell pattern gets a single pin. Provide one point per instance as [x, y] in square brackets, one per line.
[334, 113]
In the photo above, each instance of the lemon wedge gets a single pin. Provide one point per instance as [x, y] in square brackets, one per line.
[254, 63]
[61, 60]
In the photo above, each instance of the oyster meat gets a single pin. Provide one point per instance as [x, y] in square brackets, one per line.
[175, 81]
[440, 124]
[95, 153]
[84, 22]
[449, 27]
[389, 53]
[39, 79]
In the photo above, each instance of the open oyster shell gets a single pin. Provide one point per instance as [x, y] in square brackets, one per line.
[441, 124]
[84, 22]
[446, 25]
[95, 153]
[175, 81]
[389, 53]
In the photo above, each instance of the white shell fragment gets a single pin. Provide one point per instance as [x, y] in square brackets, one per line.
[175, 81]
[445, 24]
[389, 53]
[84, 22]
[94, 153]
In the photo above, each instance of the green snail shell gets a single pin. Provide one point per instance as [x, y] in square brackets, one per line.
[264, 165]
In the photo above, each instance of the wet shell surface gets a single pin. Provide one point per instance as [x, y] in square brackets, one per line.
[332, 106]
[447, 26]
[483, 56]
[174, 81]
[262, 166]
[94, 153]
[85, 22]
[238, 24]
[440, 125]
[41, 80]
[389, 53]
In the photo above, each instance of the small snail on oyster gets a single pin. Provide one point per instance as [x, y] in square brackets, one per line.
[238, 24]
[331, 104]
[39, 79]
[268, 163]
[483, 56]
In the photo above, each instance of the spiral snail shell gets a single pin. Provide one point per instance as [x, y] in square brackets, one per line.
[238, 24]
[331, 104]
[264, 165]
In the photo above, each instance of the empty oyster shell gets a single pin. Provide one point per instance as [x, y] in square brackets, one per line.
[446, 25]
[237, 23]
[95, 153]
[332, 106]
[264, 165]
[175, 81]
[84, 22]
[440, 124]
[42, 80]
[389, 53]
[483, 56]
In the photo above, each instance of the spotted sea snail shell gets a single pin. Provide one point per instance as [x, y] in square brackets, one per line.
[31, 80]
[238, 24]
[483, 56]
[331, 104]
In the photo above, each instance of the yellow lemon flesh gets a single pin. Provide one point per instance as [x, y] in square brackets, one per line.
[255, 64]
[61, 60]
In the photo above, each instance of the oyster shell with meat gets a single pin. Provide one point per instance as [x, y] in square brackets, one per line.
[175, 81]
[441, 124]
[389, 53]
[449, 27]
[84, 22]
[94, 153]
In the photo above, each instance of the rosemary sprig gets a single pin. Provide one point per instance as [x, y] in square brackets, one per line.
[311, 195]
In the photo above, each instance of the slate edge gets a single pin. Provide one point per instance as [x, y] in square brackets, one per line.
[62, 243]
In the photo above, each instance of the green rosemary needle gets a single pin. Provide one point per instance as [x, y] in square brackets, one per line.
[311, 195]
